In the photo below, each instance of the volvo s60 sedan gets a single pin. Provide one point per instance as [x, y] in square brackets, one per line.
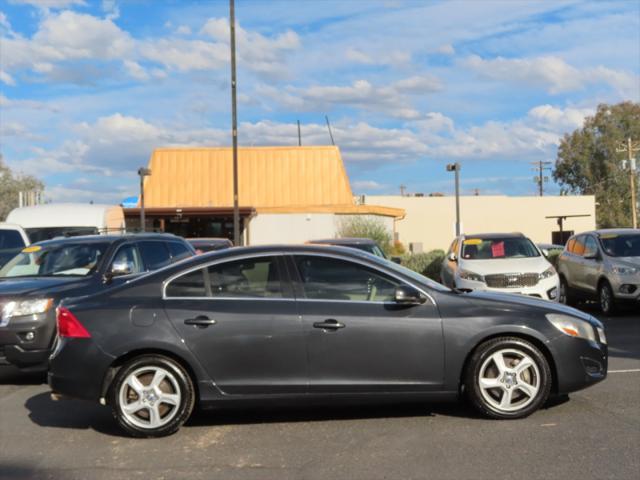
[321, 323]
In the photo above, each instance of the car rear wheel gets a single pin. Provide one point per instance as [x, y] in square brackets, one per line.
[507, 378]
[565, 295]
[606, 299]
[152, 396]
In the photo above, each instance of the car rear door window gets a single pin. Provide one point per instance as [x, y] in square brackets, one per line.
[10, 239]
[178, 251]
[190, 284]
[335, 279]
[578, 246]
[154, 254]
[253, 277]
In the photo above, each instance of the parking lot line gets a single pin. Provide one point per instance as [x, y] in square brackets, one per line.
[631, 370]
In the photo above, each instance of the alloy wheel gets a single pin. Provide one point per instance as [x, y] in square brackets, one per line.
[150, 397]
[509, 380]
[605, 298]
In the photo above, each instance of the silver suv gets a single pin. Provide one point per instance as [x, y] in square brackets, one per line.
[602, 265]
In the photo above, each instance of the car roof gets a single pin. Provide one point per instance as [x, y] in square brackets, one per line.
[344, 241]
[209, 240]
[493, 235]
[108, 238]
[616, 231]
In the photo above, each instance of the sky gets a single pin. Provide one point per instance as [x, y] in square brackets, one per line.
[89, 88]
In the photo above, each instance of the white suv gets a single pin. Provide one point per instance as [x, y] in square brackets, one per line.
[504, 262]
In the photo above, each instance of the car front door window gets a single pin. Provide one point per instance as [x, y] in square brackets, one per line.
[334, 279]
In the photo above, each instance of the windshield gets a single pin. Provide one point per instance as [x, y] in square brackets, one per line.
[47, 233]
[369, 248]
[62, 259]
[498, 248]
[10, 239]
[621, 245]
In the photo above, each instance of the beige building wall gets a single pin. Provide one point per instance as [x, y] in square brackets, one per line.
[297, 228]
[431, 220]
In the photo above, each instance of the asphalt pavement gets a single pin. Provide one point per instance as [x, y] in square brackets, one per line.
[593, 434]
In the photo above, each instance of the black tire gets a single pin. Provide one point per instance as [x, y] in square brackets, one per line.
[606, 300]
[176, 382]
[565, 295]
[485, 400]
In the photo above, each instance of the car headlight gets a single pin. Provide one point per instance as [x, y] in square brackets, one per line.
[19, 308]
[572, 326]
[468, 275]
[548, 273]
[624, 270]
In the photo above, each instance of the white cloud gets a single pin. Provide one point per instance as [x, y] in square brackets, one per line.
[367, 185]
[391, 99]
[445, 49]
[552, 73]
[558, 119]
[110, 7]
[255, 51]
[183, 30]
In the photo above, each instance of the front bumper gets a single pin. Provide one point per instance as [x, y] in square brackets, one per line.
[26, 341]
[579, 363]
[547, 289]
[625, 287]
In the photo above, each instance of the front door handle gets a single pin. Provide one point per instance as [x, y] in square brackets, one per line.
[200, 321]
[329, 324]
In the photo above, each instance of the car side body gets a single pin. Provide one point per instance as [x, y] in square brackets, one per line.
[603, 265]
[307, 334]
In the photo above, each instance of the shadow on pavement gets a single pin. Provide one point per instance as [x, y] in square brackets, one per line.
[67, 413]
[10, 375]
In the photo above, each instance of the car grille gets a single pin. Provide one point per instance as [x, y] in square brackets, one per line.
[512, 280]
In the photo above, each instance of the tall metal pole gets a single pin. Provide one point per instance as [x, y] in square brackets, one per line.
[142, 222]
[329, 127]
[234, 124]
[632, 180]
[457, 166]
[299, 135]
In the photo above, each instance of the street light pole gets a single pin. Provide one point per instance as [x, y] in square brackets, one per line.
[455, 167]
[234, 124]
[143, 172]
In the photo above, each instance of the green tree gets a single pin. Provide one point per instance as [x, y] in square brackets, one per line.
[588, 163]
[366, 227]
[12, 183]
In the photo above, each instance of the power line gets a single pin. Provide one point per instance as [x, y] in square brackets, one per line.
[629, 147]
[540, 179]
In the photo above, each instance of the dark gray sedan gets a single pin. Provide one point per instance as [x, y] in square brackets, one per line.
[264, 324]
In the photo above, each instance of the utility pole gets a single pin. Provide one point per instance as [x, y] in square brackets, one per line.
[234, 124]
[329, 127]
[455, 167]
[299, 135]
[402, 190]
[630, 148]
[541, 167]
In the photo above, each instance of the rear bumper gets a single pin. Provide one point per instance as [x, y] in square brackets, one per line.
[77, 369]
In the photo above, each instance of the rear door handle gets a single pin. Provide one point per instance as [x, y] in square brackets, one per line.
[329, 324]
[200, 321]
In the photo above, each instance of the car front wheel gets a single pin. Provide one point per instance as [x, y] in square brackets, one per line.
[606, 298]
[507, 378]
[152, 396]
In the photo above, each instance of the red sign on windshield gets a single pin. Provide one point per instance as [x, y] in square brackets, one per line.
[497, 249]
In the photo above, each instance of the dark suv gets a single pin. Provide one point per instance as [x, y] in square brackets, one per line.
[34, 281]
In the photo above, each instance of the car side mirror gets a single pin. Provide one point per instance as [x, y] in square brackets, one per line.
[407, 295]
[397, 260]
[452, 257]
[120, 268]
[545, 252]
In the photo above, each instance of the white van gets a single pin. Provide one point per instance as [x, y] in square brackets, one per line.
[27, 225]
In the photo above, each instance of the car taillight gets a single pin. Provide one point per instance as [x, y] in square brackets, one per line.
[69, 326]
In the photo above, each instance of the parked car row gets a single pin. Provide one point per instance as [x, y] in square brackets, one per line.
[143, 324]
